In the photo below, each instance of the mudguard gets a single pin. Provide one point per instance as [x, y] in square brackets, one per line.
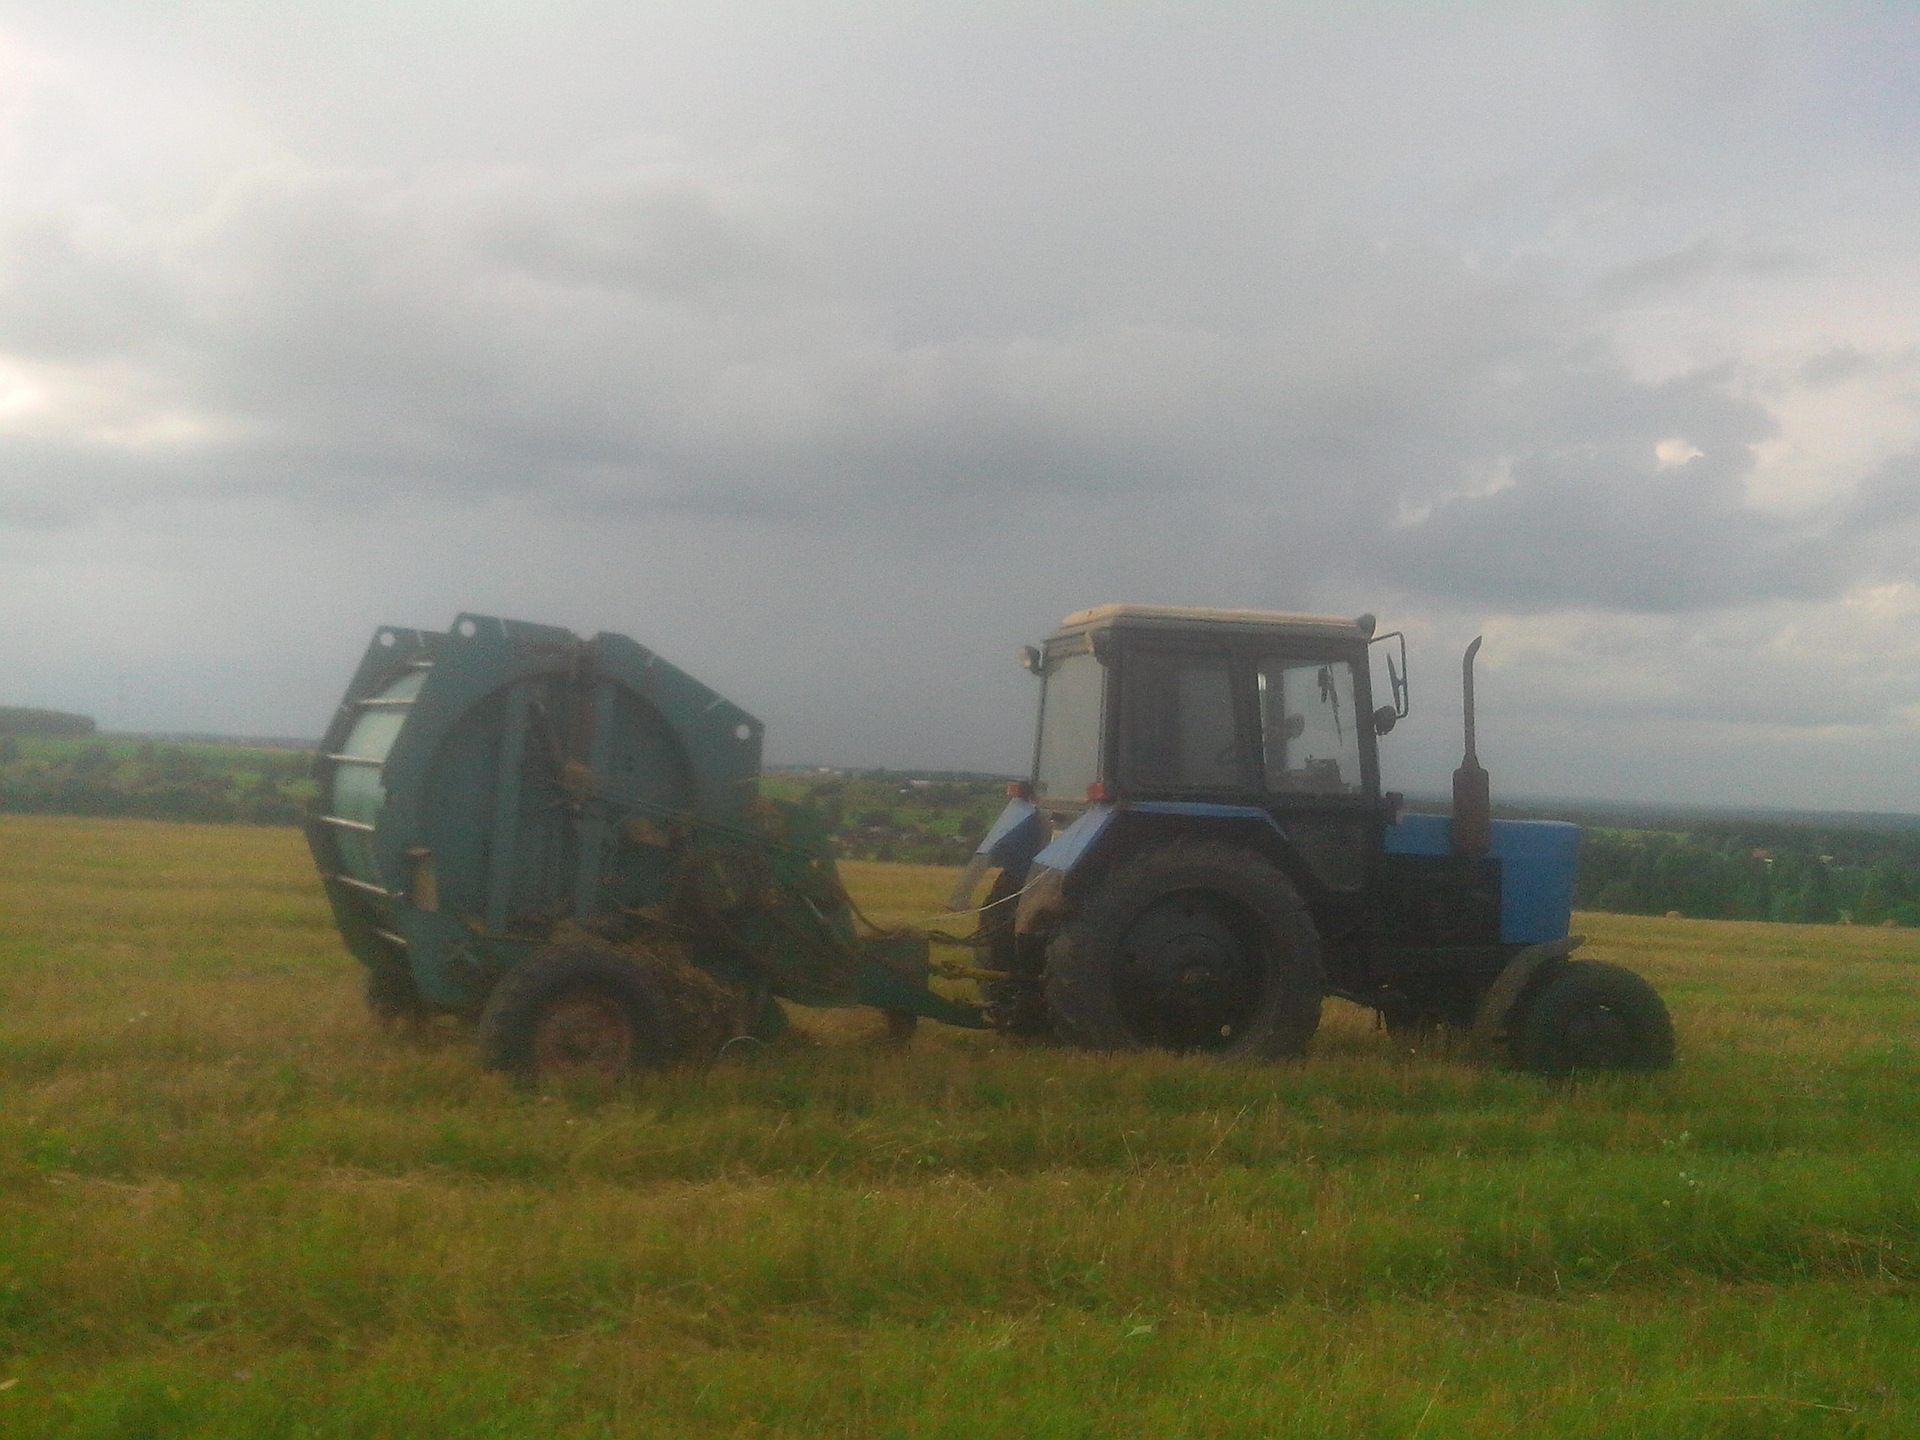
[1496, 1006]
[1010, 844]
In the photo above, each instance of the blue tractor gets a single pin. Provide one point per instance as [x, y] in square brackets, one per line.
[1203, 852]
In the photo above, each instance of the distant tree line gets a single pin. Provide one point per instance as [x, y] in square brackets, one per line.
[22, 720]
[1754, 871]
[148, 780]
[912, 818]
[1715, 870]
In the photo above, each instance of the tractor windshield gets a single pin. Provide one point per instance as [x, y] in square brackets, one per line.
[1310, 738]
[1070, 729]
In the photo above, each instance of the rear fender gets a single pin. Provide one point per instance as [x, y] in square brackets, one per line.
[1105, 834]
[1010, 844]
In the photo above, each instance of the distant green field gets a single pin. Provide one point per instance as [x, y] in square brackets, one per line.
[229, 1208]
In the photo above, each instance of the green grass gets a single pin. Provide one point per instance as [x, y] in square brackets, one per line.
[229, 1208]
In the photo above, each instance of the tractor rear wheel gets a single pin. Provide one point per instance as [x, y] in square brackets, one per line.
[1198, 946]
[575, 1012]
[1589, 1015]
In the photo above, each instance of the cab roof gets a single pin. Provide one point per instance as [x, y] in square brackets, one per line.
[1182, 617]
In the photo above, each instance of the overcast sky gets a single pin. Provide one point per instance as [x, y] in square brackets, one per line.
[835, 351]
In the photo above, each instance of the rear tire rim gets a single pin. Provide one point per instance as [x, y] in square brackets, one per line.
[1187, 980]
[584, 1032]
[1598, 1037]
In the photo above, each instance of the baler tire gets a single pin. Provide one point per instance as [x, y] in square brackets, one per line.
[1236, 906]
[392, 997]
[1014, 1006]
[1589, 1015]
[586, 1003]
[902, 1025]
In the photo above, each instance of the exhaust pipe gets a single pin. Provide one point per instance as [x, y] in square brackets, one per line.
[1472, 800]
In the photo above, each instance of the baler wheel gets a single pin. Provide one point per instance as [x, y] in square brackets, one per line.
[901, 1027]
[1590, 1015]
[1198, 946]
[575, 1012]
[392, 997]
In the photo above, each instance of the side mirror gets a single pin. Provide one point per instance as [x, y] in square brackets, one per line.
[1030, 658]
[1383, 719]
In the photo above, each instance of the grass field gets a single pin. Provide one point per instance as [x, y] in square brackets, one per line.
[229, 1208]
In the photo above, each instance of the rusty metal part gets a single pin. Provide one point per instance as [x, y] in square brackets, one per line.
[584, 1033]
[1496, 1006]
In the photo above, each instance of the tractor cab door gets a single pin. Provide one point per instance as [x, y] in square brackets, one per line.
[1184, 727]
[1318, 764]
[1257, 721]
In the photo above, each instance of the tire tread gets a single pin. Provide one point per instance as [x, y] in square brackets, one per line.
[1078, 983]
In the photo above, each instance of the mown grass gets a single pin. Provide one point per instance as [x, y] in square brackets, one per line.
[228, 1207]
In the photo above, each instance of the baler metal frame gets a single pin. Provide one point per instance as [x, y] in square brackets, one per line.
[383, 848]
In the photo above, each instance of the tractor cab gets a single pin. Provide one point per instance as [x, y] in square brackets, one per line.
[1159, 703]
[1249, 715]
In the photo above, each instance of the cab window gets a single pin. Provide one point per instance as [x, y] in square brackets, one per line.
[1309, 737]
[1069, 759]
[1178, 728]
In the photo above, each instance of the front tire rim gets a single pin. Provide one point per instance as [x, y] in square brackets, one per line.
[584, 1032]
[1187, 978]
[1598, 1037]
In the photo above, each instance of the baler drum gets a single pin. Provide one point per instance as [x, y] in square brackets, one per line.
[520, 867]
[355, 794]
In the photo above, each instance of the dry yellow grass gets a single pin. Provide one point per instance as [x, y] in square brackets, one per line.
[228, 1207]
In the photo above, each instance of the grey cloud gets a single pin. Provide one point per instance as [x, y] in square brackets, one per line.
[1836, 366]
[1596, 518]
[627, 338]
[1680, 267]
[1879, 515]
[1701, 260]
[821, 342]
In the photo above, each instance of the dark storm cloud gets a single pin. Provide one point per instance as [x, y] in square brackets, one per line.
[1635, 501]
[630, 336]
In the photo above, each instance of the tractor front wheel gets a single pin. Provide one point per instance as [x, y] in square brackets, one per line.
[575, 1012]
[1589, 1015]
[1198, 946]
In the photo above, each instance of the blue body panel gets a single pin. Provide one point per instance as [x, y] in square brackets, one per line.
[1207, 810]
[1537, 859]
[1071, 843]
[1016, 837]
